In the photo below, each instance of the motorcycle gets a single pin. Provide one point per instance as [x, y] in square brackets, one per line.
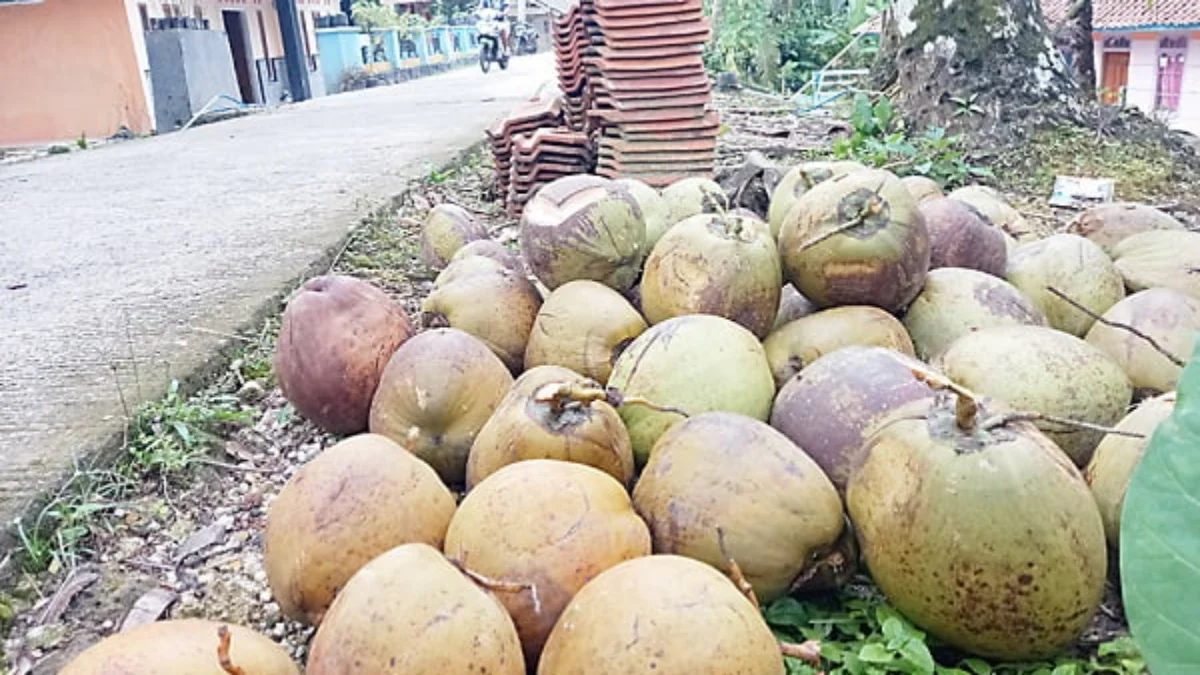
[527, 38]
[490, 27]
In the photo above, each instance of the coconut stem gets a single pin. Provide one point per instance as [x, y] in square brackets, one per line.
[809, 652]
[1006, 418]
[561, 394]
[966, 406]
[223, 652]
[735, 571]
[1118, 325]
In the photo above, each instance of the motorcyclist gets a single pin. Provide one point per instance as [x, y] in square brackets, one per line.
[501, 9]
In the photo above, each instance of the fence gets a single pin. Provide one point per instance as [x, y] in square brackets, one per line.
[352, 59]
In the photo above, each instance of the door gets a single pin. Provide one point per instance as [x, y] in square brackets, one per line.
[238, 34]
[1116, 77]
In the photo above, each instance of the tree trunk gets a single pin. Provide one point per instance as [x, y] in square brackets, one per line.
[1074, 36]
[984, 65]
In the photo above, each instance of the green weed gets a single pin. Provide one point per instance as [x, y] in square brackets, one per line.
[168, 436]
[58, 535]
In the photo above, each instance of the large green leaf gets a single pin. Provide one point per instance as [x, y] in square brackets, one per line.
[1160, 538]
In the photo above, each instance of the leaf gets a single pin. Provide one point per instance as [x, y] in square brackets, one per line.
[885, 114]
[1160, 538]
[875, 653]
[863, 117]
[787, 612]
[978, 666]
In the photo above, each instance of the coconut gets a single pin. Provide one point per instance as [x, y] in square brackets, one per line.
[1160, 258]
[923, 188]
[467, 267]
[792, 306]
[714, 264]
[985, 536]
[654, 209]
[1116, 458]
[335, 337]
[410, 611]
[799, 343]
[1041, 370]
[1109, 224]
[663, 614]
[1073, 266]
[533, 424]
[436, 394]
[488, 248]
[354, 501]
[961, 236]
[584, 227]
[829, 409]
[696, 364]
[498, 307]
[693, 495]
[958, 301]
[584, 326]
[447, 228]
[692, 197]
[799, 180]
[189, 646]
[993, 205]
[1170, 318]
[857, 239]
[549, 527]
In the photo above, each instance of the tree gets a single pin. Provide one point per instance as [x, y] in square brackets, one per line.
[988, 65]
[1074, 37]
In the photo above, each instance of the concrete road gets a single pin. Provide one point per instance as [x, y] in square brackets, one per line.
[114, 262]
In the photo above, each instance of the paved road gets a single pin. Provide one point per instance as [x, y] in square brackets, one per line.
[123, 250]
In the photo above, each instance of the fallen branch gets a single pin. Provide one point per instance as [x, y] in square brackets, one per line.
[223, 653]
[1118, 325]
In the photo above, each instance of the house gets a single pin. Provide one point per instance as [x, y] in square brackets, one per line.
[1147, 54]
[71, 68]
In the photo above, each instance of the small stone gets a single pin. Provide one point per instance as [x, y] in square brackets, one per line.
[47, 636]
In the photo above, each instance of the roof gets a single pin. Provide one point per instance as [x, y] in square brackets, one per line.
[1109, 15]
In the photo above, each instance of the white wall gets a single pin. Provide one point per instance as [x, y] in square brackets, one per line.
[1188, 117]
[1143, 80]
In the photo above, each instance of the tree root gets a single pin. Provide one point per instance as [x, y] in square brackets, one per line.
[223, 652]
[1117, 325]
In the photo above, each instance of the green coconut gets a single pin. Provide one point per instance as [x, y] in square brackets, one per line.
[982, 533]
[923, 188]
[488, 248]
[1160, 258]
[653, 206]
[584, 227]
[692, 197]
[1073, 266]
[997, 209]
[694, 364]
[857, 239]
[958, 301]
[584, 326]
[799, 343]
[447, 228]
[1167, 316]
[1109, 224]
[724, 265]
[694, 495]
[1040, 370]
[468, 266]
[797, 181]
[1117, 456]
[497, 306]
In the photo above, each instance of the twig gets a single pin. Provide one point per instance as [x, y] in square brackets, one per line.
[1005, 418]
[1118, 325]
[342, 251]
[488, 582]
[809, 652]
[735, 571]
[1039, 216]
[223, 653]
[232, 467]
[561, 394]
[231, 336]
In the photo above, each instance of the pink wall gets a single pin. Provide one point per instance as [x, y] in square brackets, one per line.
[69, 67]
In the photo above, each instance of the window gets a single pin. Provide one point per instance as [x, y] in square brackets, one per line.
[308, 50]
[1119, 43]
[1172, 51]
[145, 14]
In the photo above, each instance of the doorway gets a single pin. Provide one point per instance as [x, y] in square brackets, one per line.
[1115, 77]
[239, 45]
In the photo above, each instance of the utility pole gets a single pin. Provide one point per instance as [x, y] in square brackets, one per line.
[294, 54]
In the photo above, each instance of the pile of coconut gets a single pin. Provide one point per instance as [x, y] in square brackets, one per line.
[605, 453]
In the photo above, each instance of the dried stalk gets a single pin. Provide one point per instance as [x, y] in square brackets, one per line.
[735, 572]
[1118, 325]
[223, 653]
[561, 394]
[1005, 418]
[809, 652]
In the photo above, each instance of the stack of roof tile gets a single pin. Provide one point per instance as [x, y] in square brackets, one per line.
[570, 39]
[541, 157]
[525, 119]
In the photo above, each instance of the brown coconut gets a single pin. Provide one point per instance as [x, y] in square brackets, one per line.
[1109, 224]
[857, 239]
[498, 307]
[1072, 266]
[335, 338]
[584, 326]
[923, 188]
[584, 227]
[411, 611]
[792, 306]
[1117, 456]
[1160, 259]
[1170, 318]
[488, 248]
[661, 614]
[1040, 370]
[997, 209]
[654, 209]
[957, 301]
[447, 229]
[696, 496]
[799, 343]
[529, 424]
[549, 527]
[961, 236]
[693, 196]
[723, 265]
[181, 647]
[354, 501]
[830, 407]
[436, 395]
